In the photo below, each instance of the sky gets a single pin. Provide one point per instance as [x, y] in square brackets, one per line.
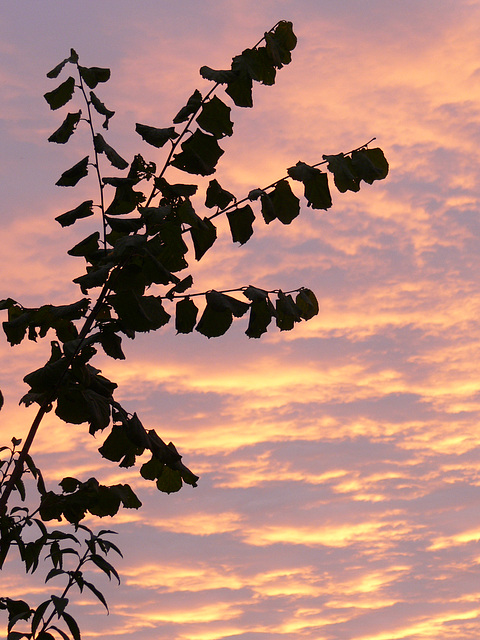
[339, 463]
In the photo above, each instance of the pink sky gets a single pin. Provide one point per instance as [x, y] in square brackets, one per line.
[340, 463]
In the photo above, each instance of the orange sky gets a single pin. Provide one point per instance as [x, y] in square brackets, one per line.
[340, 462]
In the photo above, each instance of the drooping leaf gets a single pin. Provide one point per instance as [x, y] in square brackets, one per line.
[72, 625]
[285, 203]
[240, 90]
[343, 171]
[101, 146]
[241, 221]
[307, 304]
[118, 447]
[216, 196]
[70, 177]
[199, 155]
[93, 75]
[156, 137]
[193, 104]
[139, 313]
[61, 95]
[370, 164]
[281, 42]
[257, 64]
[126, 199]
[66, 129]
[261, 313]
[315, 182]
[287, 312]
[83, 210]
[203, 237]
[170, 480]
[215, 118]
[101, 109]
[185, 316]
[214, 323]
[1, 400]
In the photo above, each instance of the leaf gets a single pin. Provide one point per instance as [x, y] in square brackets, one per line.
[285, 203]
[156, 137]
[261, 313]
[127, 496]
[241, 221]
[215, 118]
[59, 604]
[287, 312]
[343, 171]
[93, 75]
[170, 480]
[203, 236]
[1, 400]
[69, 485]
[370, 164]
[216, 196]
[101, 146]
[104, 566]
[257, 64]
[72, 625]
[315, 184]
[218, 76]
[38, 615]
[200, 154]
[240, 90]
[218, 314]
[185, 316]
[111, 343]
[85, 247]
[101, 109]
[152, 469]
[70, 177]
[307, 304]
[182, 286]
[280, 43]
[66, 129]
[83, 210]
[118, 447]
[61, 95]
[139, 313]
[193, 104]
[96, 592]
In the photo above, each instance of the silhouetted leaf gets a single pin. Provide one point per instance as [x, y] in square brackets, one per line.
[72, 625]
[315, 182]
[287, 312]
[241, 221]
[240, 90]
[70, 177]
[370, 164]
[218, 76]
[203, 236]
[170, 480]
[61, 95]
[93, 75]
[111, 343]
[344, 174]
[307, 304]
[280, 43]
[156, 137]
[85, 247]
[285, 203]
[83, 210]
[261, 313]
[66, 129]
[101, 146]
[257, 64]
[216, 196]
[215, 118]
[139, 313]
[101, 109]
[193, 104]
[182, 286]
[185, 316]
[55, 72]
[200, 154]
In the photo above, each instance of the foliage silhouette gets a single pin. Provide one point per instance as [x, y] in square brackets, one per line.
[141, 247]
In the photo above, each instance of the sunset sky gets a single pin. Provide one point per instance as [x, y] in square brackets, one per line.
[339, 464]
